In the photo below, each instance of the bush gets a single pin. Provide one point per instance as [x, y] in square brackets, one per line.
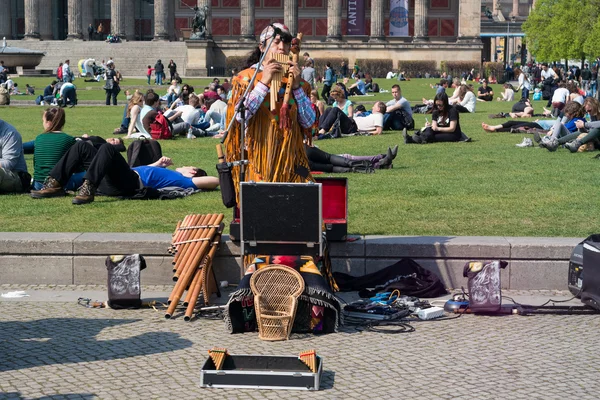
[458, 68]
[414, 68]
[493, 68]
[376, 67]
[237, 62]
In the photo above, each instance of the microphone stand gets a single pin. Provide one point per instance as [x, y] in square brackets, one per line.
[241, 110]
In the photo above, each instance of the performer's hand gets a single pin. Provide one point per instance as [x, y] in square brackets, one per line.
[270, 68]
[295, 70]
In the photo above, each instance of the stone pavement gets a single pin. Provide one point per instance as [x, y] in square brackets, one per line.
[51, 347]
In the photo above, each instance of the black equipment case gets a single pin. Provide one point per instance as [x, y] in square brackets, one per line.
[334, 203]
[281, 218]
[261, 372]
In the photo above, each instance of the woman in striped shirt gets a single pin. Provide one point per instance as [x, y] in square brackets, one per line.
[50, 145]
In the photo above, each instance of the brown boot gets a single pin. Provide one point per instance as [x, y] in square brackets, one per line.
[85, 194]
[51, 188]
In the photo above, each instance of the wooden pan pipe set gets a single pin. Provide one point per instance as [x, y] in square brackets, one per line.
[309, 357]
[194, 245]
[218, 355]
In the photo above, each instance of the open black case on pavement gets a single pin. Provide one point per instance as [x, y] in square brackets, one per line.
[281, 218]
[334, 209]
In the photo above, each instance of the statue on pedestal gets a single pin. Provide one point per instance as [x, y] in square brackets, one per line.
[199, 31]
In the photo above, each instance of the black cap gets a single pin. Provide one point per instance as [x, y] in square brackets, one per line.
[53, 82]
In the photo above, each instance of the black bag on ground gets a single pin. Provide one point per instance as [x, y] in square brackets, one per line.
[226, 185]
[406, 275]
[590, 286]
[143, 152]
[124, 286]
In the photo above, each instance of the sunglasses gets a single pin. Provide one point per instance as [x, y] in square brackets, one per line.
[440, 105]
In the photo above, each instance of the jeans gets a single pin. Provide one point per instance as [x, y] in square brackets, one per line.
[347, 124]
[149, 76]
[106, 169]
[74, 182]
[69, 96]
[525, 93]
[114, 92]
[159, 79]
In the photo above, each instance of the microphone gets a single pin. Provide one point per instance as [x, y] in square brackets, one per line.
[276, 30]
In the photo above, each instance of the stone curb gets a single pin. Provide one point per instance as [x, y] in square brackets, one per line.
[78, 258]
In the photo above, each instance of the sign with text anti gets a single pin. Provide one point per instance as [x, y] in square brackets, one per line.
[398, 18]
[356, 17]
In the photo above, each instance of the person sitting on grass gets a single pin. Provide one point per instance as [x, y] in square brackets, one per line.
[508, 94]
[484, 92]
[573, 113]
[398, 113]
[14, 177]
[444, 127]
[51, 145]
[358, 88]
[341, 112]
[467, 99]
[109, 172]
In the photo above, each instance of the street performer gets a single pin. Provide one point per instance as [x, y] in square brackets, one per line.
[274, 138]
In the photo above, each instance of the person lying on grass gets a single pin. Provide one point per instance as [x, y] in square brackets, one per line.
[109, 172]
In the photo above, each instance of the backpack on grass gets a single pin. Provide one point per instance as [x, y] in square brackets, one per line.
[143, 152]
[160, 128]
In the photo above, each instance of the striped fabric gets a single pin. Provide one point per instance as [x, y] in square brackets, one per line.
[49, 148]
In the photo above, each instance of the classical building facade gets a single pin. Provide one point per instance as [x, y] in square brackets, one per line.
[468, 30]
[437, 20]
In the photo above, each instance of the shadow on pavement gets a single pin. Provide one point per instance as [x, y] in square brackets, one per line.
[73, 340]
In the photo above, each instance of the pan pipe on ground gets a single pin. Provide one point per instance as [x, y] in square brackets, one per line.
[309, 357]
[194, 245]
[218, 355]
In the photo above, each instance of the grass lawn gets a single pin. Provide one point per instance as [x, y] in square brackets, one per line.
[486, 187]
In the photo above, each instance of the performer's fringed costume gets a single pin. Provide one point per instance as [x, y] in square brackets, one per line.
[274, 154]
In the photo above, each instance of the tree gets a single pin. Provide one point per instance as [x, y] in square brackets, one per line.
[568, 29]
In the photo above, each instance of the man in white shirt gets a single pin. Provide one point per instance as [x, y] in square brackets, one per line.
[559, 99]
[67, 74]
[372, 123]
[398, 113]
[216, 115]
[548, 72]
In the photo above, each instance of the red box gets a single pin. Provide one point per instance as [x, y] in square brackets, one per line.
[335, 209]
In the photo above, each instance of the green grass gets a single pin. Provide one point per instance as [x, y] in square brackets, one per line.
[486, 187]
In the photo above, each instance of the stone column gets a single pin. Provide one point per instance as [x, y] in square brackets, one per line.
[377, 21]
[334, 21]
[207, 3]
[469, 21]
[45, 13]
[117, 18]
[32, 20]
[87, 17]
[5, 19]
[130, 20]
[421, 28]
[171, 20]
[161, 13]
[247, 21]
[290, 15]
[74, 20]
[515, 10]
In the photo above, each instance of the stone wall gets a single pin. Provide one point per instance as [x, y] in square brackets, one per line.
[78, 258]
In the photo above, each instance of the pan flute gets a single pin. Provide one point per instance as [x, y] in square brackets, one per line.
[282, 59]
[309, 358]
[217, 355]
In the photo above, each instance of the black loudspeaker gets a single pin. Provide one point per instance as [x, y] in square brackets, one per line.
[281, 218]
[590, 287]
